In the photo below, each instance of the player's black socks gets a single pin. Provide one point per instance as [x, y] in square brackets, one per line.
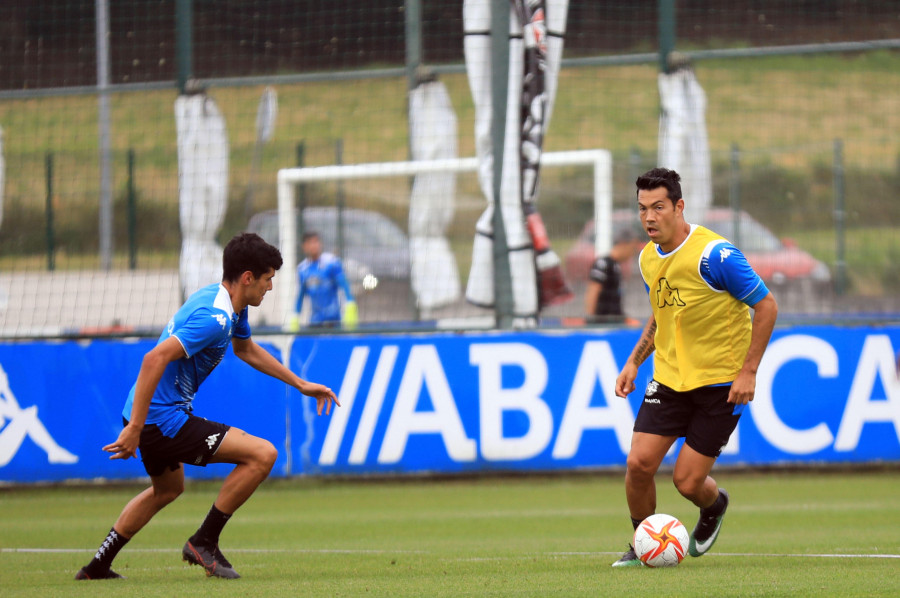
[106, 553]
[635, 522]
[715, 509]
[208, 533]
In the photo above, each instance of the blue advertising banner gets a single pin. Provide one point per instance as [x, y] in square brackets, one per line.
[545, 401]
[450, 403]
[61, 402]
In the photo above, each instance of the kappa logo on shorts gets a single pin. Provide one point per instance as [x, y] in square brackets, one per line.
[211, 439]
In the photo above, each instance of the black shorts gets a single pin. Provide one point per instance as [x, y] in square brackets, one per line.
[195, 444]
[703, 416]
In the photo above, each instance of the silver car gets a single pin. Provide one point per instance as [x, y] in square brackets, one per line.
[372, 242]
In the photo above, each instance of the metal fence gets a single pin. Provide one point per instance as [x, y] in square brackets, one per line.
[802, 115]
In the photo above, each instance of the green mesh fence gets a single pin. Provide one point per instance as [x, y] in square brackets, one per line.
[783, 81]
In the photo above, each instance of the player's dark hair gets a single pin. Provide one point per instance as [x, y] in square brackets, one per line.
[310, 234]
[248, 251]
[661, 177]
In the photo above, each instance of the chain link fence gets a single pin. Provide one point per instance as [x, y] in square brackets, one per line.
[803, 115]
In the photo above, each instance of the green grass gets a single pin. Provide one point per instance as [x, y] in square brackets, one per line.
[528, 536]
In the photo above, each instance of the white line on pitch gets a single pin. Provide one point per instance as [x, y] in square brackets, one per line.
[241, 550]
[752, 554]
[375, 551]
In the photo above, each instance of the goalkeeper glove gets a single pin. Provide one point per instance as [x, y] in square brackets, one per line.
[351, 315]
[293, 324]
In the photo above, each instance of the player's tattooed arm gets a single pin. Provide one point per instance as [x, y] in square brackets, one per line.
[643, 349]
[646, 345]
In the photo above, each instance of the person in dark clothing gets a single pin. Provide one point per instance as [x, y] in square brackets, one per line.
[603, 296]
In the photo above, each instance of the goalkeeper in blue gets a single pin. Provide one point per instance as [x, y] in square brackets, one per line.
[321, 277]
[706, 350]
[158, 414]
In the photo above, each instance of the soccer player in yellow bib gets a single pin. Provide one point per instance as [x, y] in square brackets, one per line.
[707, 347]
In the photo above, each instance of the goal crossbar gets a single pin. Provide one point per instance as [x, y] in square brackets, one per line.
[289, 178]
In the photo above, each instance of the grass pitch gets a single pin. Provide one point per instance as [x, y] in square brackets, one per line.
[786, 534]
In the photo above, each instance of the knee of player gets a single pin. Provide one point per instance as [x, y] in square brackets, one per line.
[265, 455]
[687, 485]
[637, 465]
[166, 495]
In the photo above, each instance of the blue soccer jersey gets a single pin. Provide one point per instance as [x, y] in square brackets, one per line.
[725, 268]
[204, 326]
[320, 281]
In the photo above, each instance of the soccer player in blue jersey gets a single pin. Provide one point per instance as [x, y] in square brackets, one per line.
[158, 414]
[707, 351]
[321, 278]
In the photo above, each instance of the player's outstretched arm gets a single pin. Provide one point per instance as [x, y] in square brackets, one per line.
[263, 361]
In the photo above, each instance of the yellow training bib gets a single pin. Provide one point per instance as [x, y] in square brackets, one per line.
[702, 334]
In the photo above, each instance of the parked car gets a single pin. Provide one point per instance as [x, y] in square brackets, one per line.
[372, 242]
[777, 261]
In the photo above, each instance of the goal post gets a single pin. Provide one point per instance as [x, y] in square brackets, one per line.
[289, 178]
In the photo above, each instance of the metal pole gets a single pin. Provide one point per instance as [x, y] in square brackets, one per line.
[666, 28]
[51, 236]
[503, 299]
[634, 166]
[339, 159]
[301, 189]
[413, 14]
[840, 216]
[184, 16]
[106, 208]
[132, 214]
[734, 194]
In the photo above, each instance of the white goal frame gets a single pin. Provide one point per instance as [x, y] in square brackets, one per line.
[289, 178]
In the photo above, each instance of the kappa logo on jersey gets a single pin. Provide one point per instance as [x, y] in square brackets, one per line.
[211, 439]
[667, 296]
[222, 320]
[724, 253]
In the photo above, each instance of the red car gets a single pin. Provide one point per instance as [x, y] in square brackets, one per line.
[776, 261]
